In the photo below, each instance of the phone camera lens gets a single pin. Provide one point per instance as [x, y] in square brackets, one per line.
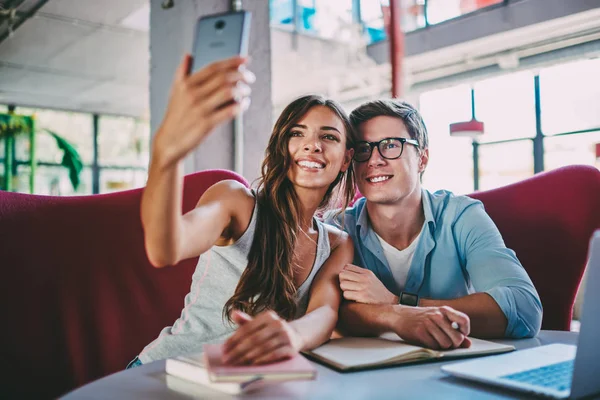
[220, 24]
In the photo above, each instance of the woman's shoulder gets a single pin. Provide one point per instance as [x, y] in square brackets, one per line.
[237, 201]
[336, 236]
[229, 190]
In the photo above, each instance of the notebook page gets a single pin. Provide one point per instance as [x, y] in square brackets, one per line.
[352, 351]
[478, 346]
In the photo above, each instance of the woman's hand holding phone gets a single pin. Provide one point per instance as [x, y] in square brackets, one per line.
[198, 103]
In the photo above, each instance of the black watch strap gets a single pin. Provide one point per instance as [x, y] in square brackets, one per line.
[408, 299]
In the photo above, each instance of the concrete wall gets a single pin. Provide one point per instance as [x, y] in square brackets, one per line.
[171, 35]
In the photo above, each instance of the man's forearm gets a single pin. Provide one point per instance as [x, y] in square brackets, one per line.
[358, 319]
[487, 318]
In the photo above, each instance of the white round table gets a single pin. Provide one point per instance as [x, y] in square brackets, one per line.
[418, 381]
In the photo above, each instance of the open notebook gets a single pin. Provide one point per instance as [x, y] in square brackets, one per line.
[357, 353]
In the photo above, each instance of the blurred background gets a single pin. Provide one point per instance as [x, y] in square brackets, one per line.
[96, 73]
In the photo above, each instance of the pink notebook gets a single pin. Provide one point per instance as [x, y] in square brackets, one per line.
[296, 368]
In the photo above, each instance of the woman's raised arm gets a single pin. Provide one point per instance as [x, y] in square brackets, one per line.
[198, 103]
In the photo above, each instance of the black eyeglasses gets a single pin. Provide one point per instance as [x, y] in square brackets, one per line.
[389, 148]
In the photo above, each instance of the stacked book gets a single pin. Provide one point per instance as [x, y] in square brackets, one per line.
[208, 370]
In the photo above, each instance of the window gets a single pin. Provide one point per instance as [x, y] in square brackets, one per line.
[325, 18]
[282, 12]
[506, 106]
[450, 159]
[570, 97]
[372, 19]
[123, 150]
[76, 128]
[501, 164]
[123, 141]
[443, 10]
[115, 180]
[53, 180]
[571, 149]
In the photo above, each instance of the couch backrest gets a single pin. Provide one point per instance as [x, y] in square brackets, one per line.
[78, 297]
[548, 221]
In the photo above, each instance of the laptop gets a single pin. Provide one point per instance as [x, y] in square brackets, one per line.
[557, 370]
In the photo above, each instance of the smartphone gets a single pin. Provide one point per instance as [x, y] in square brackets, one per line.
[220, 36]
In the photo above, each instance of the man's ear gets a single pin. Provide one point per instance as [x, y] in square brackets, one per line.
[423, 160]
[347, 160]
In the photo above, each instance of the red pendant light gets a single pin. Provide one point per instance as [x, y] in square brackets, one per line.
[472, 129]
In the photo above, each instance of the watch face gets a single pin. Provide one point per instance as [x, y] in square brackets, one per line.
[409, 299]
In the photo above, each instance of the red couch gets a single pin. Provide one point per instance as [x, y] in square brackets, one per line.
[548, 220]
[79, 299]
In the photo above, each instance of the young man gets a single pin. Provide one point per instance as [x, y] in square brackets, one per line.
[431, 267]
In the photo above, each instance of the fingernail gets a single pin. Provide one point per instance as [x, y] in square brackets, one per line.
[249, 76]
[246, 103]
[243, 89]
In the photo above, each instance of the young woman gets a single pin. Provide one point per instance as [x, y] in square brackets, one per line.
[266, 263]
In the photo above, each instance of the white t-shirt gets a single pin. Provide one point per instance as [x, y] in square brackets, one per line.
[399, 260]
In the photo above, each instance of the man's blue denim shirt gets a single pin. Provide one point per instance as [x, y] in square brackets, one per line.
[460, 252]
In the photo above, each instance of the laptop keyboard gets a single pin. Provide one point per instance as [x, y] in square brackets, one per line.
[554, 376]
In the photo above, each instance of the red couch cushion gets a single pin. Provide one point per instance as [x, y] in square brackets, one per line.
[78, 297]
[548, 221]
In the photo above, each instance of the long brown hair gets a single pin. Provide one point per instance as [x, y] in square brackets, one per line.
[267, 282]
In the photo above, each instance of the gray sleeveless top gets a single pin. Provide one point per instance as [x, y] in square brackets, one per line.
[213, 283]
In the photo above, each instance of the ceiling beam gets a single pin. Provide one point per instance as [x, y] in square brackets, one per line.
[21, 17]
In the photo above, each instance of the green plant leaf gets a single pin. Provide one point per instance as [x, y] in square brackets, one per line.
[71, 159]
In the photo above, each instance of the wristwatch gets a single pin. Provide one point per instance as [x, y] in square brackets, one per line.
[408, 299]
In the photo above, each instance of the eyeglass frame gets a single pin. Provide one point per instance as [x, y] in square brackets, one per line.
[372, 145]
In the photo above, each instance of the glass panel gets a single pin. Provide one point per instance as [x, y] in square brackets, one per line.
[570, 97]
[76, 128]
[413, 15]
[325, 18]
[113, 180]
[506, 106]
[504, 163]
[54, 181]
[3, 108]
[571, 149]
[282, 13]
[443, 10]
[450, 158]
[375, 17]
[372, 19]
[123, 141]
